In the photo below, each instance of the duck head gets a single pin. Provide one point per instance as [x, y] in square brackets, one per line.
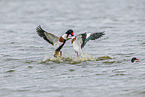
[134, 59]
[70, 32]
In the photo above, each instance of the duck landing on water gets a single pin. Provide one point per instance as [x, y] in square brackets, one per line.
[58, 42]
[80, 40]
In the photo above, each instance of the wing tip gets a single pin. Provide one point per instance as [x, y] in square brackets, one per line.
[40, 31]
[97, 35]
[103, 32]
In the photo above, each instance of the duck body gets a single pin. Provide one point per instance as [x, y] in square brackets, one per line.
[57, 42]
[80, 40]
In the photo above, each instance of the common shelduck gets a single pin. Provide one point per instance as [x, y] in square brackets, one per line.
[80, 40]
[134, 59]
[58, 42]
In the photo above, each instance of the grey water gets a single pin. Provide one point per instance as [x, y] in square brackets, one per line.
[22, 74]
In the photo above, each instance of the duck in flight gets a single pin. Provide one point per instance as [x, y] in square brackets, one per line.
[80, 40]
[58, 42]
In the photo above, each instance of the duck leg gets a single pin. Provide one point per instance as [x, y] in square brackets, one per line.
[60, 53]
[77, 54]
[56, 53]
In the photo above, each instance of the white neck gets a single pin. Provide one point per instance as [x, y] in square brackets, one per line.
[64, 36]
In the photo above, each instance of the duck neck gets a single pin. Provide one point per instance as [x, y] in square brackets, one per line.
[65, 36]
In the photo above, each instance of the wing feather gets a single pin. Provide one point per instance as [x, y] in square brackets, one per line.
[50, 38]
[93, 36]
[96, 35]
[83, 39]
[80, 39]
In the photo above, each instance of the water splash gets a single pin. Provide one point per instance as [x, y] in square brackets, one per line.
[68, 59]
[103, 58]
[88, 57]
[73, 60]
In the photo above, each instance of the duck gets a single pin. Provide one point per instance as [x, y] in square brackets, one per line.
[134, 59]
[79, 41]
[57, 42]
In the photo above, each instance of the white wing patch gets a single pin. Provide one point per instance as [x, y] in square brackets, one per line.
[88, 35]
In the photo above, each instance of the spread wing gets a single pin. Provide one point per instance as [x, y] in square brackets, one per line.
[50, 38]
[93, 36]
[96, 35]
[82, 39]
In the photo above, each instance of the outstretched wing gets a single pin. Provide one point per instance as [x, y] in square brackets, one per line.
[93, 36]
[83, 39]
[50, 38]
[96, 35]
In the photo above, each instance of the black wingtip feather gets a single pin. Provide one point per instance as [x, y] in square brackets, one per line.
[40, 31]
[97, 35]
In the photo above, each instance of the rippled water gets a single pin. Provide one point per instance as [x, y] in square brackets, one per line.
[108, 72]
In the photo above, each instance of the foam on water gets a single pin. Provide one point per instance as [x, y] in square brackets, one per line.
[73, 60]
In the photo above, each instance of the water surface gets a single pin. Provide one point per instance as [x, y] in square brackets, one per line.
[110, 74]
